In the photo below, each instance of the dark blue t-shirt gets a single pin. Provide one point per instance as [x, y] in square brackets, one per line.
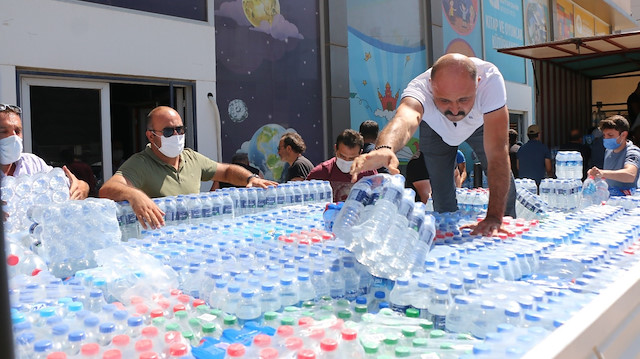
[531, 158]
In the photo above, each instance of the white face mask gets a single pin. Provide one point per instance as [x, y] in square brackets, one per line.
[10, 149]
[344, 166]
[171, 146]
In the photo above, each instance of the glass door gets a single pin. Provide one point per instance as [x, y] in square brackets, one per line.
[67, 122]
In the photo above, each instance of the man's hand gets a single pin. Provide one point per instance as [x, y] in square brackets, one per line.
[595, 172]
[488, 227]
[78, 189]
[146, 211]
[260, 182]
[382, 157]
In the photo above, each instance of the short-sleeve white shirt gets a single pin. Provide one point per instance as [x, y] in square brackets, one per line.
[491, 96]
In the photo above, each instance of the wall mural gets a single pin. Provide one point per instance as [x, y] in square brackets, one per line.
[268, 78]
[383, 57]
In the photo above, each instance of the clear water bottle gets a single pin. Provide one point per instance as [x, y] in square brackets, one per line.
[337, 284]
[182, 211]
[351, 280]
[194, 208]
[320, 283]
[249, 308]
[439, 304]
[271, 198]
[170, 211]
[400, 296]
[354, 204]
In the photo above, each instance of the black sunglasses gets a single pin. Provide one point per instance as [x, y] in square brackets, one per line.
[13, 108]
[169, 131]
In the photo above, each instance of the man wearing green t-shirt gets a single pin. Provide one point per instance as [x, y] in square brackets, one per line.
[166, 168]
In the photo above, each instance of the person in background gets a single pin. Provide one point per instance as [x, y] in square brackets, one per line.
[14, 162]
[369, 132]
[575, 144]
[80, 169]
[166, 168]
[348, 147]
[633, 113]
[458, 99]
[290, 150]
[417, 177]
[534, 157]
[241, 159]
[621, 158]
[514, 146]
[460, 172]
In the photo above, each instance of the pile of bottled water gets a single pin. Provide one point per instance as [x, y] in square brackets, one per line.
[20, 193]
[226, 204]
[473, 201]
[529, 205]
[594, 191]
[569, 165]
[67, 233]
[527, 184]
[384, 228]
[561, 194]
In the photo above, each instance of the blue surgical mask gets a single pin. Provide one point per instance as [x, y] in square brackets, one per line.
[611, 143]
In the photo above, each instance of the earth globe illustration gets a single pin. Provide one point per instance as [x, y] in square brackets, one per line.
[263, 150]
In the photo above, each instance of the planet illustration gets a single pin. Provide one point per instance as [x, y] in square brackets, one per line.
[238, 110]
[257, 11]
[263, 150]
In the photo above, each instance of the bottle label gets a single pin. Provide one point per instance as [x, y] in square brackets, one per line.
[215, 211]
[438, 321]
[182, 215]
[358, 195]
[207, 212]
[298, 198]
[226, 209]
[307, 197]
[280, 200]
[271, 201]
[261, 202]
[196, 213]
[399, 308]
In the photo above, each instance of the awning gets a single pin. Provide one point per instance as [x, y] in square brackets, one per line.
[594, 57]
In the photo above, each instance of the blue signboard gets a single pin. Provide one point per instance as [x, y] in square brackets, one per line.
[461, 27]
[503, 27]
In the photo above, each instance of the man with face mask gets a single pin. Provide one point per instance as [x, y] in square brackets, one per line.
[621, 157]
[166, 168]
[14, 162]
[459, 99]
[336, 170]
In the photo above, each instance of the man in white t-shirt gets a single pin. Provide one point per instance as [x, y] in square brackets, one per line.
[459, 99]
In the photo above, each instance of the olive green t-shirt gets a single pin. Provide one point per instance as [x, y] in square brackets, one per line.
[157, 179]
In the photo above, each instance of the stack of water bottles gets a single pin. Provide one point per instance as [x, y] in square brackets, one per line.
[69, 232]
[530, 205]
[594, 191]
[473, 201]
[527, 184]
[226, 204]
[569, 165]
[384, 228]
[20, 193]
[561, 195]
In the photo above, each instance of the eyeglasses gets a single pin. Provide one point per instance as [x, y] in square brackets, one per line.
[169, 131]
[13, 108]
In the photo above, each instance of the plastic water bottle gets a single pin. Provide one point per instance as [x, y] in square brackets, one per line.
[439, 305]
[400, 296]
[306, 289]
[249, 307]
[337, 284]
[354, 204]
[182, 212]
[351, 280]
[320, 283]
[271, 198]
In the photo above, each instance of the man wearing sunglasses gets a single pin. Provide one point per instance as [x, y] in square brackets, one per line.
[166, 168]
[14, 162]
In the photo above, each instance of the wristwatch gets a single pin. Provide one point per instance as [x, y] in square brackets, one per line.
[253, 175]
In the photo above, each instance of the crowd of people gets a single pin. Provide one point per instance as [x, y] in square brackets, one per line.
[458, 100]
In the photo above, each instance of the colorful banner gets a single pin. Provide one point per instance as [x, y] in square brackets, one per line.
[536, 22]
[583, 22]
[503, 28]
[461, 28]
[268, 79]
[383, 59]
[564, 20]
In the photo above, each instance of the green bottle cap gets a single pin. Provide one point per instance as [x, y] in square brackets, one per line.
[436, 334]
[419, 342]
[326, 298]
[402, 352]
[307, 313]
[446, 346]
[327, 307]
[188, 335]
[172, 327]
[208, 328]
[409, 332]
[181, 314]
[291, 309]
[342, 303]
[308, 304]
[391, 340]
[344, 314]
[270, 316]
[159, 321]
[412, 313]
[203, 309]
[194, 322]
[361, 308]
[287, 321]
[465, 336]
[230, 320]
[426, 325]
[370, 348]
[217, 312]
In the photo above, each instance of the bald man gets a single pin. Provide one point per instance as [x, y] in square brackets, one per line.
[458, 99]
[166, 168]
